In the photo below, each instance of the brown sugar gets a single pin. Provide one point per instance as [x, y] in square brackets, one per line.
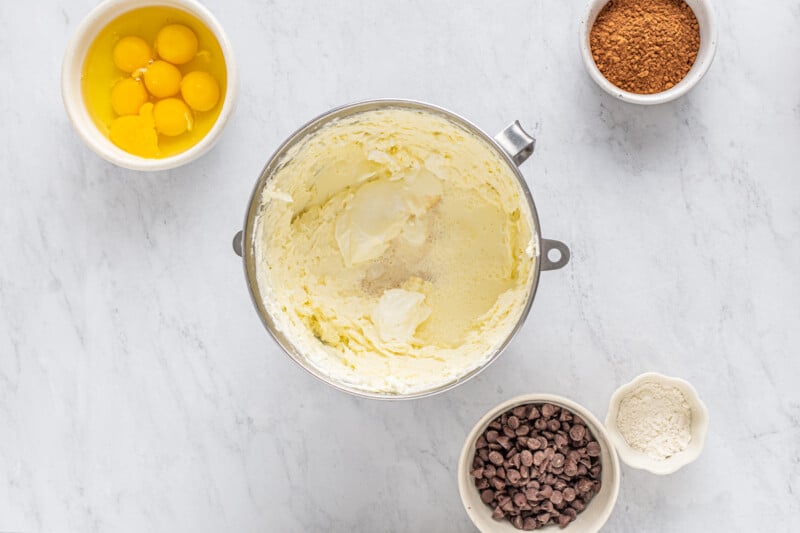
[645, 46]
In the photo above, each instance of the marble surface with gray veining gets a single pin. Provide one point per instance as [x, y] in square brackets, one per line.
[140, 393]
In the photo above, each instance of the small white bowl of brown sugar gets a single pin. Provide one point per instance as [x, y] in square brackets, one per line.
[648, 51]
[657, 423]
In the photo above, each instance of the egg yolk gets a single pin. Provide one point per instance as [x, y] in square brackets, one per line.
[128, 96]
[172, 117]
[131, 53]
[200, 90]
[136, 134]
[176, 43]
[162, 79]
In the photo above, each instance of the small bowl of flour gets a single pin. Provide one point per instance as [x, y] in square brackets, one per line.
[657, 423]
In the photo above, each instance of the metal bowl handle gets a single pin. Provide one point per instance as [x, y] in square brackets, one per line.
[238, 247]
[516, 142]
[563, 250]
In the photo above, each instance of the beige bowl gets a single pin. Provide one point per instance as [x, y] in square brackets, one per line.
[599, 508]
[638, 459]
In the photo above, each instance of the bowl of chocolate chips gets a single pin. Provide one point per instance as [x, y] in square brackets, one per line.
[538, 461]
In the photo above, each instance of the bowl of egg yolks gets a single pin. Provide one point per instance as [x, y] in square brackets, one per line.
[149, 84]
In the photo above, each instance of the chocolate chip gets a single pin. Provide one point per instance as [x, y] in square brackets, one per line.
[491, 436]
[558, 460]
[553, 425]
[583, 485]
[513, 476]
[489, 471]
[487, 496]
[526, 457]
[569, 494]
[529, 523]
[517, 522]
[496, 458]
[563, 520]
[477, 473]
[520, 411]
[519, 499]
[521, 431]
[497, 483]
[577, 433]
[593, 449]
[513, 422]
[516, 460]
[538, 457]
[571, 468]
[548, 410]
[504, 442]
[556, 497]
[498, 513]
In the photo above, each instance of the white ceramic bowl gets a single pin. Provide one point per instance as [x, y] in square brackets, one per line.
[588, 521]
[72, 68]
[707, 21]
[638, 459]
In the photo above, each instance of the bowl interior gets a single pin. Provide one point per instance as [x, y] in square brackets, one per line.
[596, 513]
[638, 459]
[706, 19]
[256, 204]
[72, 94]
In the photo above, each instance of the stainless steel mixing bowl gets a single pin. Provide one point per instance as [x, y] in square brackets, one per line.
[512, 144]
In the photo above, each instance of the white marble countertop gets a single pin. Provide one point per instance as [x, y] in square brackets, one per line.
[139, 391]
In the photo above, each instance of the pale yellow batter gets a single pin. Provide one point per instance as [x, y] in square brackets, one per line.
[395, 249]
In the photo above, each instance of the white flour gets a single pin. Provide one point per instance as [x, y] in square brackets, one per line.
[655, 419]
